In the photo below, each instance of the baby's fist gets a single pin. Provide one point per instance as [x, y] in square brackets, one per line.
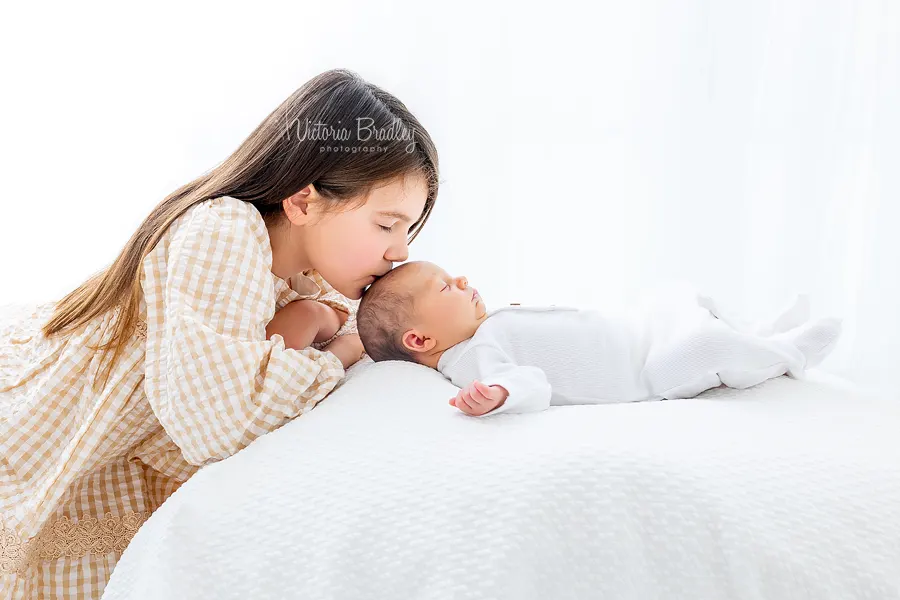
[477, 399]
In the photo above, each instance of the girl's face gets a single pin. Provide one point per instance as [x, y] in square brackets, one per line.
[351, 248]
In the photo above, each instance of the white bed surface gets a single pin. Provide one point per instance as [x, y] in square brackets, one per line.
[787, 490]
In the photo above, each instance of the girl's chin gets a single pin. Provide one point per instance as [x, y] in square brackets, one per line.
[367, 283]
[352, 292]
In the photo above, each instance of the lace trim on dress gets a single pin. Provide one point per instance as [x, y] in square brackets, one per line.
[69, 539]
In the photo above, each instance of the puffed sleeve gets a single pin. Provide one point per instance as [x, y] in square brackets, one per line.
[212, 378]
[528, 387]
[331, 296]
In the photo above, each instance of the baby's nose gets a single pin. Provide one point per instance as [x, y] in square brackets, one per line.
[462, 282]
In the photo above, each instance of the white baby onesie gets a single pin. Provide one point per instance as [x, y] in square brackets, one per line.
[563, 355]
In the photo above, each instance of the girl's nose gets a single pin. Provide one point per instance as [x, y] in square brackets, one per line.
[462, 282]
[398, 253]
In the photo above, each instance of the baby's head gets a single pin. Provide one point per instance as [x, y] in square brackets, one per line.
[415, 312]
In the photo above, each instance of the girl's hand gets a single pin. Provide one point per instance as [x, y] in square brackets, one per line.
[348, 348]
[303, 322]
[331, 322]
[477, 399]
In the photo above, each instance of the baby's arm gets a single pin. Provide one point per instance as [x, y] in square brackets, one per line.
[527, 388]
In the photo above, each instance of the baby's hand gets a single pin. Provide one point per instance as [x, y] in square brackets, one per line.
[477, 398]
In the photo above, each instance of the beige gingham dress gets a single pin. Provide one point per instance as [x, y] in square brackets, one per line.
[80, 471]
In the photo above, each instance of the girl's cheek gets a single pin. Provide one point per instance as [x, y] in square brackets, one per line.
[361, 257]
[351, 245]
[370, 249]
[361, 249]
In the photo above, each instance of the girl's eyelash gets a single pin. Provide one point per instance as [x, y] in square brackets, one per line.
[388, 229]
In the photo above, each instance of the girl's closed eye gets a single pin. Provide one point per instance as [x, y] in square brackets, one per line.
[388, 229]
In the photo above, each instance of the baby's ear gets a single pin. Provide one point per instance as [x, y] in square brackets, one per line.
[415, 341]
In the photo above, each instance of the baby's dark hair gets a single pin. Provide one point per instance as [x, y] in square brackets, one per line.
[385, 310]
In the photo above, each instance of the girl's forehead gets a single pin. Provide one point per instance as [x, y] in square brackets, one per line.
[406, 194]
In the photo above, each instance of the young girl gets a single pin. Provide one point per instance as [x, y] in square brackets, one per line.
[196, 340]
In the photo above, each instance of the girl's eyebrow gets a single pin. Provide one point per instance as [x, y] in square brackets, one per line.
[396, 215]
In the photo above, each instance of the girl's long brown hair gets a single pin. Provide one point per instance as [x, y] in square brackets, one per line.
[278, 159]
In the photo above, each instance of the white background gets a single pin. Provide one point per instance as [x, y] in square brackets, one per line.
[588, 152]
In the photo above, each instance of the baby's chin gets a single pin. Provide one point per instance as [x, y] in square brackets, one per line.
[481, 311]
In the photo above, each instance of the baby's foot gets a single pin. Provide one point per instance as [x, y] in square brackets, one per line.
[730, 319]
[815, 339]
[794, 315]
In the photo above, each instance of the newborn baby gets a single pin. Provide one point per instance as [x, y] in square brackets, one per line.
[523, 359]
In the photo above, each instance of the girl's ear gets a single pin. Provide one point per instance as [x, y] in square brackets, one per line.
[296, 207]
[417, 342]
